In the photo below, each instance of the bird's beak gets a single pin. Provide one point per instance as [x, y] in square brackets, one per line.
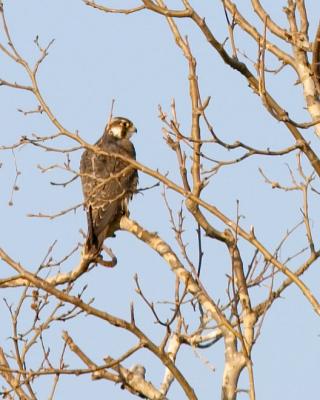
[133, 129]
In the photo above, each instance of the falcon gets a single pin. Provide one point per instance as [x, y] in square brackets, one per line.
[108, 182]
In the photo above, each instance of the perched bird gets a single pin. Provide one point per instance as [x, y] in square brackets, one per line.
[108, 182]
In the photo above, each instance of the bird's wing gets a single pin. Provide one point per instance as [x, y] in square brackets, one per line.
[107, 183]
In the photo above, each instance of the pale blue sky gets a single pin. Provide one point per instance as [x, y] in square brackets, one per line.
[97, 57]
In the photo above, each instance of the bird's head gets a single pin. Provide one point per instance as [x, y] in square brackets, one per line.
[121, 128]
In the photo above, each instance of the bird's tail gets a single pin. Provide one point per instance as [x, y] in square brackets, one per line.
[92, 245]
